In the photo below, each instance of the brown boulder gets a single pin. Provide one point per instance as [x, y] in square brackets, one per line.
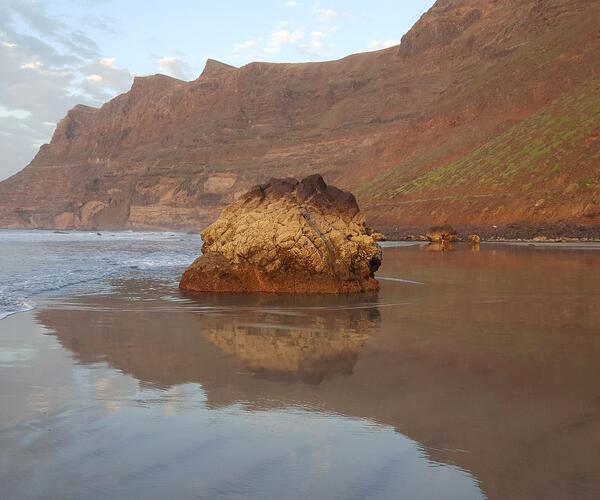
[287, 236]
[474, 239]
[444, 233]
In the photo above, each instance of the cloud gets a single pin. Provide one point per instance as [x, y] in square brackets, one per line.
[119, 79]
[31, 65]
[325, 15]
[108, 61]
[39, 86]
[107, 24]
[34, 15]
[286, 36]
[175, 67]
[19, 114]
[103, 79]
[382, 44]
[47, 67]
[248, 44]
[20, 138]
[282, 37]
[317, 44]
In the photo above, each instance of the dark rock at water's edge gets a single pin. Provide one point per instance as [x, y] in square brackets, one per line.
[445, 233]
[288, 236]
[474, 239]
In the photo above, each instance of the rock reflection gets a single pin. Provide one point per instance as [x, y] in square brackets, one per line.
[306, 339]
[441, 246]
[301, 344]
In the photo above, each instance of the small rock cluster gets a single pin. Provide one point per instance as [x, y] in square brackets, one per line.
[442, 234]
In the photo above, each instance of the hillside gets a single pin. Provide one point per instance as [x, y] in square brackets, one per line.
[487, 113]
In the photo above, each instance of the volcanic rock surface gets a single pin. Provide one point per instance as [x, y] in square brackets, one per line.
[486, 114]
[288, 237]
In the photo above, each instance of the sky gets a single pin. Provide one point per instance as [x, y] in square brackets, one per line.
[58, 53]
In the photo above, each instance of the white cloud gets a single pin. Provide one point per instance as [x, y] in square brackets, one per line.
[44, 64]
[317, 44]
[286, 36]
[19, 114]
[325, 15]
[279, 38]
[175, 67]
[248, 44]
[108, 61]
[31, 65]
[103, 79]
[382, 44]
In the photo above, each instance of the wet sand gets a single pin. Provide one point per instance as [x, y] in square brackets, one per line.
[470, 375]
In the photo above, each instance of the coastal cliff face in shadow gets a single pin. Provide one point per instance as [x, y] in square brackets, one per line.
[490, 359]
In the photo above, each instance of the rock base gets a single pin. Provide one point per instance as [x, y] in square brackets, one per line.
[213, 273]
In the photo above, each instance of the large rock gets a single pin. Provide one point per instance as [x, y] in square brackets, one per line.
[288, 237]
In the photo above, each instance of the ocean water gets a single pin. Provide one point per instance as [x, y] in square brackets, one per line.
[49, 262]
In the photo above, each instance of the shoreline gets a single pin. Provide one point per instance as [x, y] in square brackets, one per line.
[40, 299]
[510, 233]
[516, 232]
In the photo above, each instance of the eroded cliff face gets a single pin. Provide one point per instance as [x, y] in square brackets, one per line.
[485, 113]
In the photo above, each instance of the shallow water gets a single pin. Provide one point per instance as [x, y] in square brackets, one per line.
[470, 375]
[33, 262]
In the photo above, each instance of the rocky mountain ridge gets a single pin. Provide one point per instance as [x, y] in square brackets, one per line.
[485, 114]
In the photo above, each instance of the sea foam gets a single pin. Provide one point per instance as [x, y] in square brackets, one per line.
[45, 262]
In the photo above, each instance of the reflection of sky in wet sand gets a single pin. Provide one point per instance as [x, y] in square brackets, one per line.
[483, 378]
[114, 436]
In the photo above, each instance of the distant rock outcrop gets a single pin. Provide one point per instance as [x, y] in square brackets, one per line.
[474, 239]
[442, 234]
[287, 236]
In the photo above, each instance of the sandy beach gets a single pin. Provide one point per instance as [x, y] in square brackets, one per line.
[468, 374]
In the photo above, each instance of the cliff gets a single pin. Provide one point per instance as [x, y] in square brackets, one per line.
[487, 113]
